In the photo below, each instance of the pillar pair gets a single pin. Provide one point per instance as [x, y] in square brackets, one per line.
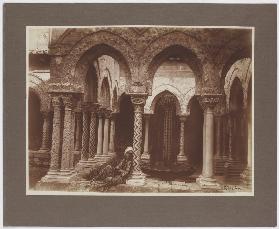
[181, 157]
[61, 150]
[105, 146]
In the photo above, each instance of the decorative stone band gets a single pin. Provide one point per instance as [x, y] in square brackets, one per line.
[183, 117]
[209, 100]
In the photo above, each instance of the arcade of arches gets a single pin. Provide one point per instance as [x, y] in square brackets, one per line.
[181, 97]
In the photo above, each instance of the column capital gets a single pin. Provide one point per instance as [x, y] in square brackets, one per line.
[56, 101]
[209, 100]
[138, 98]
[183, 117]
[68, 101]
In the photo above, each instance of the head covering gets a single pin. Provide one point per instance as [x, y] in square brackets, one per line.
[128, 149]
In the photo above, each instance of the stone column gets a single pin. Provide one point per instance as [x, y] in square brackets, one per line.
[167, 134]
[146, 155]
[247, 173]
[181, 157]
[67, 135]
[206, 179]
[112, 134]
[100, 134]
[85, 132]
[106, 134]
[56, 136]
[92, 131]
[138, 100]
[218, 136]
[46, 132]
[78, 134]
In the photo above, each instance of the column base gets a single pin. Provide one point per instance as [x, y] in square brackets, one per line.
[102, 158]
[208, 183]
[44, 151]
[136, 179]
[62, 176]
[181, 158]
[145, 156]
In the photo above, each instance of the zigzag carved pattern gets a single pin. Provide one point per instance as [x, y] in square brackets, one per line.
[137, 140]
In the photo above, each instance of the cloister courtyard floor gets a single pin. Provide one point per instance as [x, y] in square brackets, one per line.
[152, 185]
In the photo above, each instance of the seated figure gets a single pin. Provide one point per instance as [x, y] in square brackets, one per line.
[111, 174]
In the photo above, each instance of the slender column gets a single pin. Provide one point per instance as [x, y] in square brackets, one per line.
[106, 134]
[56, 135]
[67, 134]
[181, 157]
[85, 132]
[112, 134]
[138, 103]
[218, 136]
[78, 116]
[100, 134]
[93, 129]
[46, 131]
[208, 102]
[224, 137]
[146, 155]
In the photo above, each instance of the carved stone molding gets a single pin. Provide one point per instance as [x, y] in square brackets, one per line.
[209, 100]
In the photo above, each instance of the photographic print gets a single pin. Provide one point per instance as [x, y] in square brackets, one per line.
[139, 110]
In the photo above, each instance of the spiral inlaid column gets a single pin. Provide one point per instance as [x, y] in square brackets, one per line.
[78, 134]
[46, 131]
[85, 132]
[92, 131]
[138, 103]
[100, 134]
[56, 135]
[181, 157]
[67, 134]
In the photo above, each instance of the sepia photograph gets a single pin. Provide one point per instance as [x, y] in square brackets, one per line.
[140, 110]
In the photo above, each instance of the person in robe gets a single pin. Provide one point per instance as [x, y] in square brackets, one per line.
[113, 173]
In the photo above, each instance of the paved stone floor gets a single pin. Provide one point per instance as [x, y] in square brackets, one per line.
[152, 185]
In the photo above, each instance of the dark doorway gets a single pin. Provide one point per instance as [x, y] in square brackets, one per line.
[194, 134]
[164, 131]
[124, 125]
[35, 122]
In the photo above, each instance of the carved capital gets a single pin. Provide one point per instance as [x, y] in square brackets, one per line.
[107, 114]
[183, 118]
[138, 99]
[68, 102]
[56, 102]
[209, 100]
